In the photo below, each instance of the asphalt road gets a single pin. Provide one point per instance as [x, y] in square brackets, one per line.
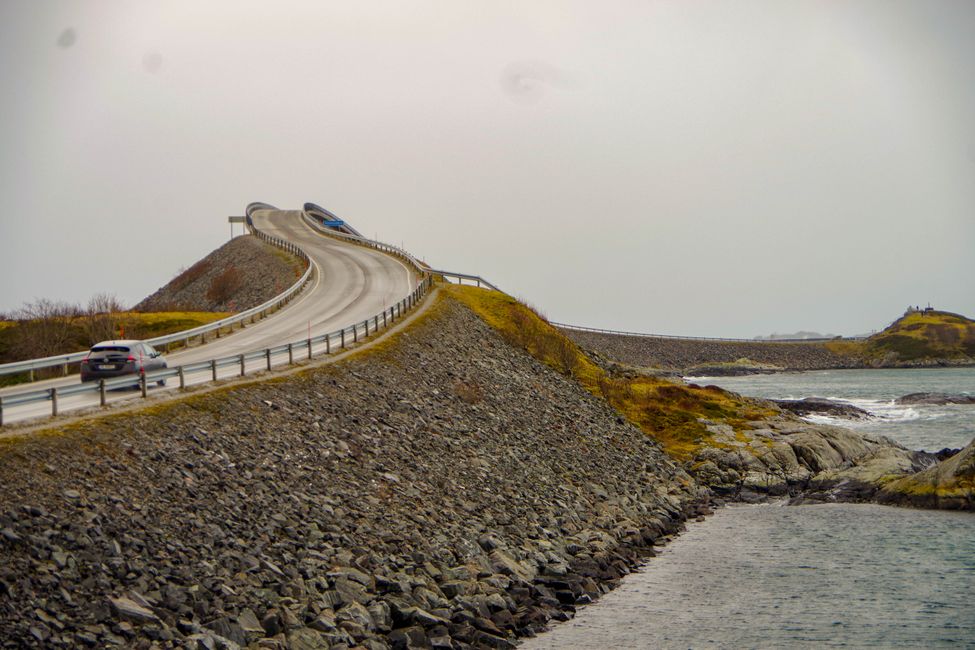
[350, 283]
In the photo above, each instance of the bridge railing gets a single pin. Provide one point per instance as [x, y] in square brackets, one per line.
[239, 319]
[265, 359]
[243, 363]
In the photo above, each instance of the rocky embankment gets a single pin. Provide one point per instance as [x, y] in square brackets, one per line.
[447, 491]
[710, 358]
[243, 273]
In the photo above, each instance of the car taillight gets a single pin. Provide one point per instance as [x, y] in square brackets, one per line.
[84, 361]
[130, 358]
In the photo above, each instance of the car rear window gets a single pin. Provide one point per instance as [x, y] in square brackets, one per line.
[109, 348]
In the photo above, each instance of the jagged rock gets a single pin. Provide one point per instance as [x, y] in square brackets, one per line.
[303, 638]
[950, 484]
[809, 405]
[408, 637]
[935, 399]
[130, 610]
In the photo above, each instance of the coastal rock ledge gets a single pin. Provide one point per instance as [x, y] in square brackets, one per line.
[448, 491]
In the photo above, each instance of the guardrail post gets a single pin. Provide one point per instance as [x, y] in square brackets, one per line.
[203, 338]
[101, 392]
[343, 338]
[54, 400]
[376, 321]
[213, 368]
[267, 355]
[384, 319]
[64, 370]
[241, 359]
[355, 333]
[1, 411]
[291, 354]
[309, 348]
[32, 374]
[328, 344]
[182, 378]
[366, 322]
[143, 386]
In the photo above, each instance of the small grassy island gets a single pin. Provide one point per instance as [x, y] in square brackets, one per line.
[922, 335]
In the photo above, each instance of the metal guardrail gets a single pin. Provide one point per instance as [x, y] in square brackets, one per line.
[476, 279]
[672, 337]
[393, 250]
[252, 314]
[332, 342]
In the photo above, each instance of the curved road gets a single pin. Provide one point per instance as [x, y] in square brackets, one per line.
[350, 283]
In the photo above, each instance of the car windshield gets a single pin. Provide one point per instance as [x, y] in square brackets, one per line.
[109, 348]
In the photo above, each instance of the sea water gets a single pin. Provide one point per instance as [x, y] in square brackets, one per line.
[916, 426]
[836, 575]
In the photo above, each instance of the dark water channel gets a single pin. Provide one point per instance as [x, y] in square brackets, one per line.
[855, 576]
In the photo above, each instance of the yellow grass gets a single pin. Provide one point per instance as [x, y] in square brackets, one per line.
[667, 411]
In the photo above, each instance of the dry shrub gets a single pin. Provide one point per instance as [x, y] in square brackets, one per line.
[469, 391]
[103, 319]
[225, 285]
[45, 328]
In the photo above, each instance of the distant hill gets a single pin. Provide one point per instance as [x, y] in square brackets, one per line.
[241, 274]
[919, 335]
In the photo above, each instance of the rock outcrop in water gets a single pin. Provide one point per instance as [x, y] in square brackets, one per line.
[785, 456]
[936, 399]
[822, 406]
[948, 485]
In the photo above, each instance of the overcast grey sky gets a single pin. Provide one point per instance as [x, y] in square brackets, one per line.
[702, 168]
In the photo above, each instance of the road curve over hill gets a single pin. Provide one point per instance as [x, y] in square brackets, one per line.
[350, 283]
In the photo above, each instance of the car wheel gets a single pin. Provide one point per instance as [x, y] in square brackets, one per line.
[161, 382]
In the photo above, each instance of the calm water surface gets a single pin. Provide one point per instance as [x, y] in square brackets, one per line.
[855, 576]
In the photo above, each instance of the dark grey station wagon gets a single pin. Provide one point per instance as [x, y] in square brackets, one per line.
[115, 358]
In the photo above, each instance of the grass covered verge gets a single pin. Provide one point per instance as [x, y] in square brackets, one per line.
[667, 411]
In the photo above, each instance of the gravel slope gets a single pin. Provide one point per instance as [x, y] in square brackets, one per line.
[444, 491]
[241, 274]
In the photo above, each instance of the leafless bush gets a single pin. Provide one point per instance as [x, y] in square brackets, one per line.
[103, 319]
[44, 328]
[225, 285]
